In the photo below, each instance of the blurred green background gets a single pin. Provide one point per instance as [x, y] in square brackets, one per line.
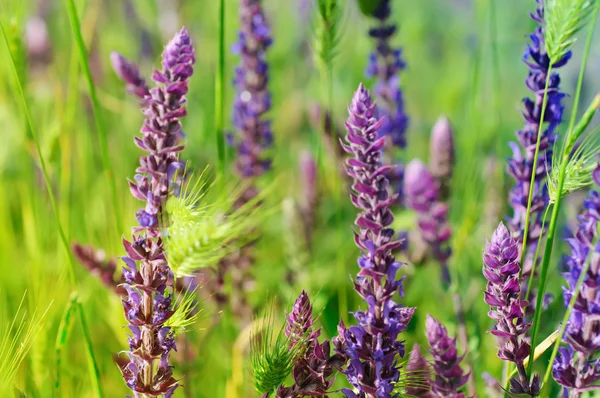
[464, 61]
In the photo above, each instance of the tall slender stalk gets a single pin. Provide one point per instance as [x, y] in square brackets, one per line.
[100, 127]
[94, 374]
[220, 90]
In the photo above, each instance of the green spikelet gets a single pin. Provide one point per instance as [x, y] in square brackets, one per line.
[582, 161]
[202, 228]
[271, 359]
[327, 33]
[185, 312]
[564, 19]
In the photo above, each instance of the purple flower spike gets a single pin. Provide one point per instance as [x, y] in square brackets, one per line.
[300, 321]
[314, 371]
[501, 269]
[130, 74]
[422, 194]
[575, 367]
[372, 346]
[521, 165]
[446, 362]
[147, 304]
[253, 98]
[386, 63]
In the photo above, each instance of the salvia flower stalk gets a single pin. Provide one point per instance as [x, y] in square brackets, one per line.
[252, 139]
[372, 346]
[449, 376]
[252, 99]
[386, 63]
[422, 194]
[441, 154]
[418, 370]
[148, 306]
[575, 367]
[521, 166]
[501, 269]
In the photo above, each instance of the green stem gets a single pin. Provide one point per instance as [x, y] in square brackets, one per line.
[535, 257]
[534, 167]
[220, 91]
[70, 266]
[100, 128]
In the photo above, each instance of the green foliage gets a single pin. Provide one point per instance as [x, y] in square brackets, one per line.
[205, 224]
[564, 19]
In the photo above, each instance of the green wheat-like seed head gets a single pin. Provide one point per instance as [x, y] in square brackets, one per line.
[327, 32]
[17, 336]
[203, 224]
[563, 20]
[185, 314]
[271, 358]
[580, 167]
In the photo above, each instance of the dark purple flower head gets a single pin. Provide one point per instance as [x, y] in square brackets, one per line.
[449, 377]
[575, 367]
[521, 165]
[372, 346]
[253, 98]
[299, 326]
[385, 63]
[148, 305]
[501, 269]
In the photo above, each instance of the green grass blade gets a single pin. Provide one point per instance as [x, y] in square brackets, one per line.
[220, 91]
[101, 129]
[61, 232]
[64, 332]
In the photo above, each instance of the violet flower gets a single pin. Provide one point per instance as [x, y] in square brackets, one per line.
[253, 137]
[501, 269]
[253, 98]
[521, 165]
[386, 63]
[372, 345]
[575, 367]
[148, 306]
[422, 194]
[449, 377]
